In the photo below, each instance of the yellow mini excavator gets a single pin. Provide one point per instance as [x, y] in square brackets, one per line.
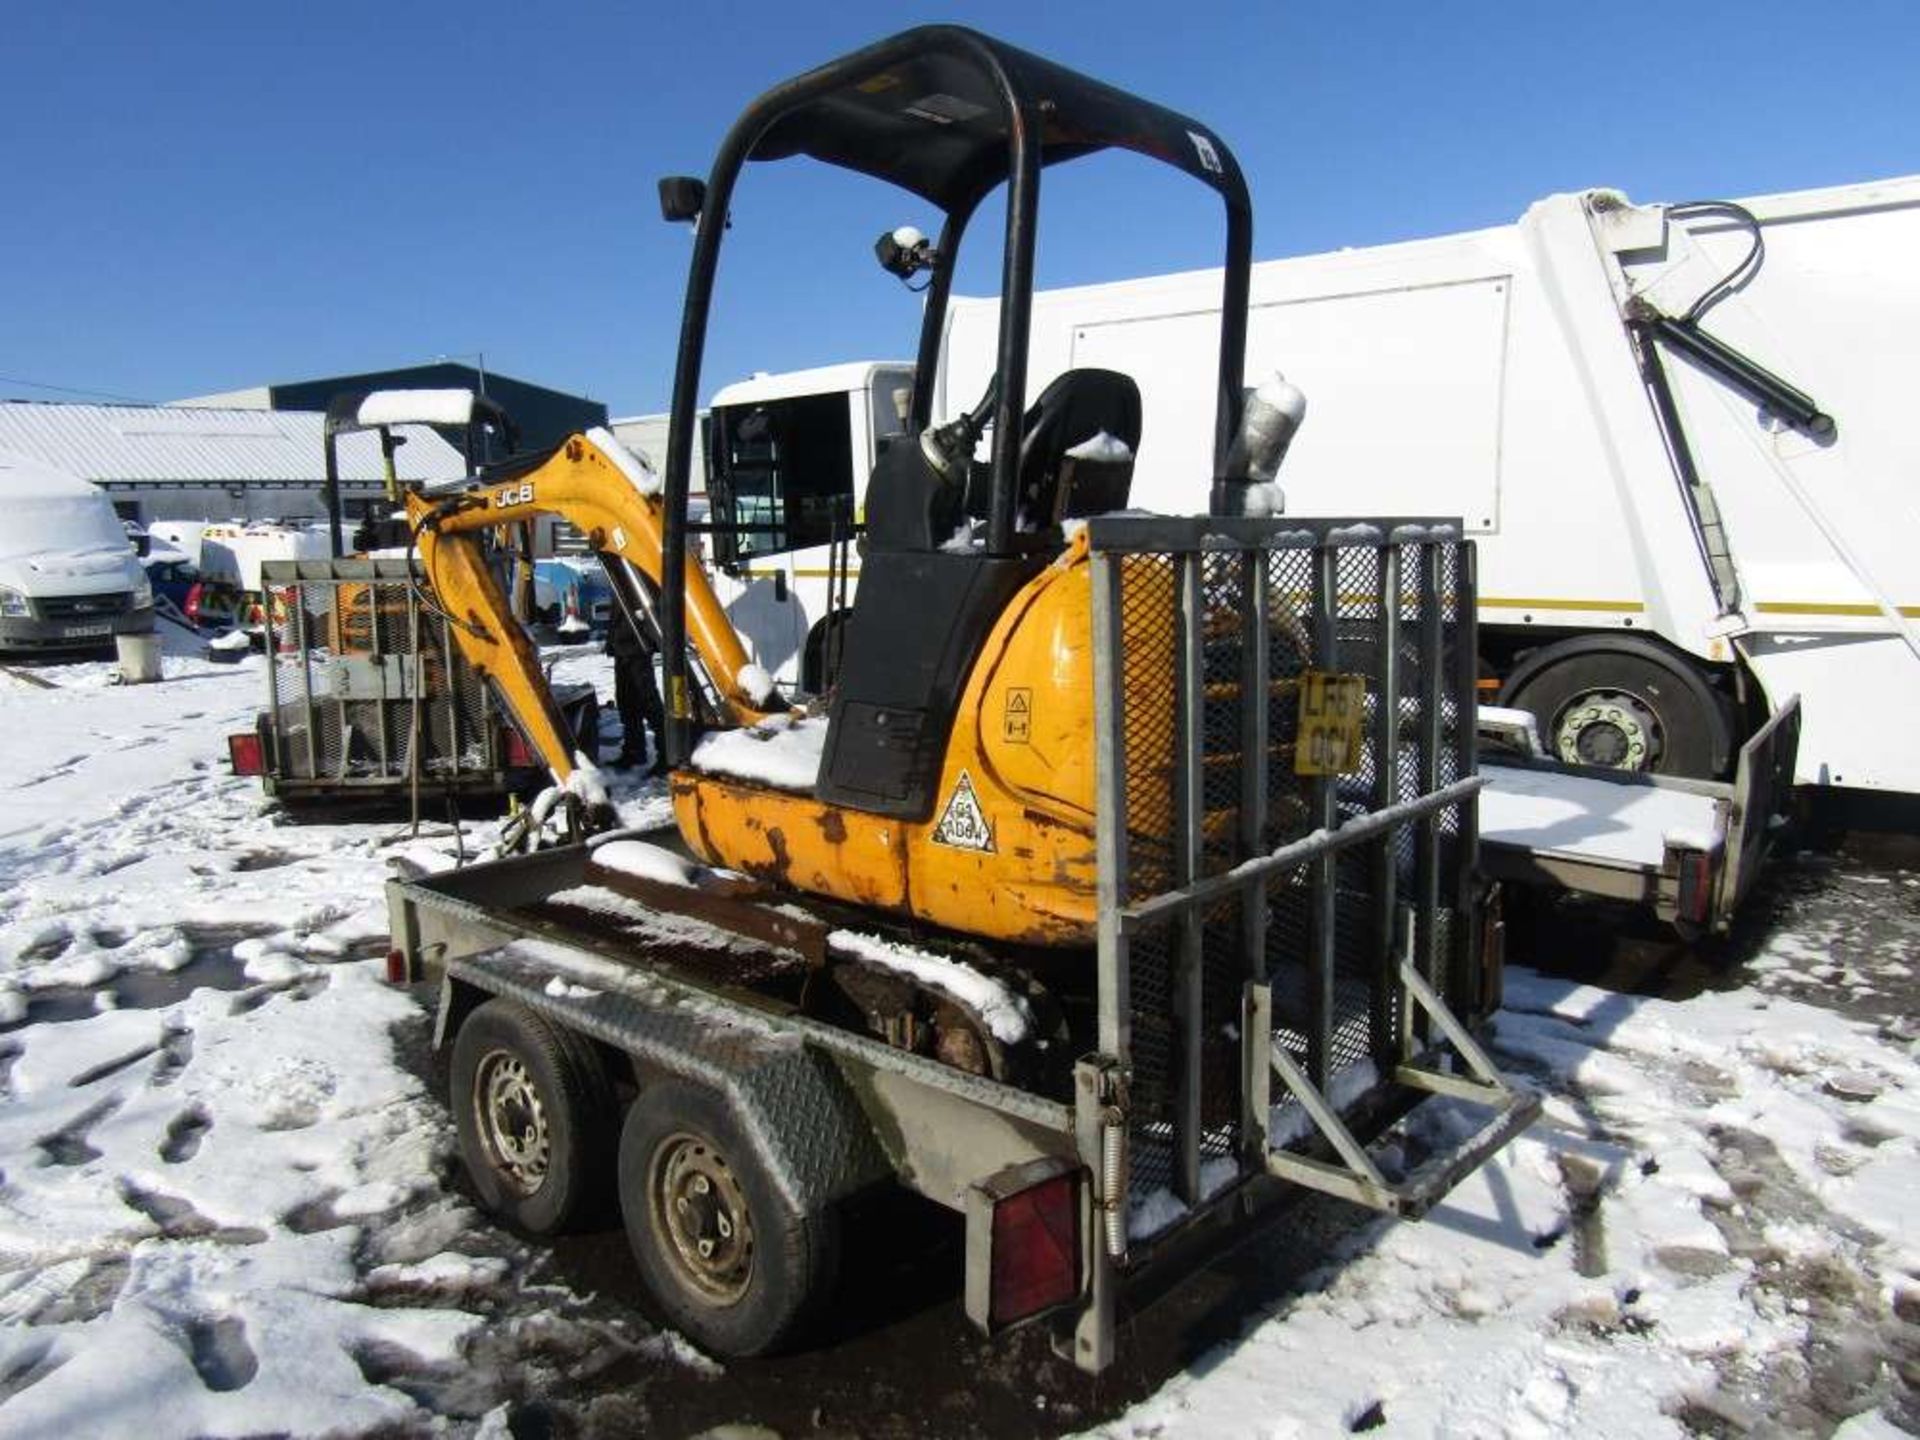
[955, 773]
[1127, 867]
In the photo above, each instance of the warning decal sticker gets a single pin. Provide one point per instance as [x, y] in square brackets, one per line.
[1016, 723]
[963, 825]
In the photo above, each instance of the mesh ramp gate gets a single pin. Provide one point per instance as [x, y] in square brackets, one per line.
[1288, 906]
[360, 673]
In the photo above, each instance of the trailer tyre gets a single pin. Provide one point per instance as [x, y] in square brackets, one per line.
[535, 1112]
[1626, 704]
[729, 1259]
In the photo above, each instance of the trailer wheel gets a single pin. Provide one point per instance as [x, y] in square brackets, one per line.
[1623, 703]
[729, 1259]
[535, 1113]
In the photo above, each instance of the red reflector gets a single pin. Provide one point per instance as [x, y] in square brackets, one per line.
[246, 753]
[396, 967]
[1036, 1250]
[519, 754]
[1696, 885]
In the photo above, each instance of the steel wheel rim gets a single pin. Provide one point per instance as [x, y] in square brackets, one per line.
[700, 1212]
[514, 1130]
[1609, 728]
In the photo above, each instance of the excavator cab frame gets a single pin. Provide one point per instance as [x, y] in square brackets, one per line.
[477, 421]
[949, 115]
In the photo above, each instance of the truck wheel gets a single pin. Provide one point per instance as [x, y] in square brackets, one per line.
[535, 1113]
[1625, 704]
[732, 1263]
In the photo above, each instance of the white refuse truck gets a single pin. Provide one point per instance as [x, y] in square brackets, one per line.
[1682, 436]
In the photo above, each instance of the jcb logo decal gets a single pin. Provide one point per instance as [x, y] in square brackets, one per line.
[521, 494]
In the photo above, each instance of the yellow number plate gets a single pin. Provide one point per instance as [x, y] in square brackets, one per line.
[1332, 708]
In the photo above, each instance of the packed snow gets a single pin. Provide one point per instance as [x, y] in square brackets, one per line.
[649, 862]
[1102, 447]
[783, 751]
[425, 407]
[1611, 1272]
[755, 683]
[639, 474]
[224, 1214]
[1574, 814]
[227, 1205]
[1005, 1012]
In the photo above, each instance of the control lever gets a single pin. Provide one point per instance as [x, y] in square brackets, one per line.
[948, 448]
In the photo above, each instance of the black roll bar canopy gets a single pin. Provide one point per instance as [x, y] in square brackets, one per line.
[948, 114]
[343, 418]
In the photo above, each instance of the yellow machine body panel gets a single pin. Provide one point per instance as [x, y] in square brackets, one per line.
[1008, 852]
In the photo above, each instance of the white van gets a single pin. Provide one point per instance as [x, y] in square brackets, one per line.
[68, 578]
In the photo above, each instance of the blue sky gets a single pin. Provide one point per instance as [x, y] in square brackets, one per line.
[208, 195]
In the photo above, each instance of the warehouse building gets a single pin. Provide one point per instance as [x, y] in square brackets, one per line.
[544, 416]
[167, 462]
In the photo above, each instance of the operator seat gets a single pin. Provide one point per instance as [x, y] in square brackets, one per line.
[1078, 407]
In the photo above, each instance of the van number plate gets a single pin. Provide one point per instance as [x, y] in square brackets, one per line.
[82, 632]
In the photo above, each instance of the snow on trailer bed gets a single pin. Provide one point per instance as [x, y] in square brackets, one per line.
[1586, 818]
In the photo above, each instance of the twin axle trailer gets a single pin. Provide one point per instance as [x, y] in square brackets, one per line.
[1296, 947]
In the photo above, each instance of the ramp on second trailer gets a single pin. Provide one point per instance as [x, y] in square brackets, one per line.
[1689, 849]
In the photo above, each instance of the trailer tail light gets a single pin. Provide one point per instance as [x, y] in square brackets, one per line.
[247, 754]
[1023, 1243]
[1695, 899]
[1036, 1251]
[519, 754]
[398, 970]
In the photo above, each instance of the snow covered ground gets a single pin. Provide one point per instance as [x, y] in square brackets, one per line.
[226, 1205]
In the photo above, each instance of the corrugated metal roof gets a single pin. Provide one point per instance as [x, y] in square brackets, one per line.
[107, 443]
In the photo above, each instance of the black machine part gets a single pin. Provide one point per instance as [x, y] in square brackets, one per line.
[949, 115]
[919, 618]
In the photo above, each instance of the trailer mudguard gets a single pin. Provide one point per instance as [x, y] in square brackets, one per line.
[803, 1121]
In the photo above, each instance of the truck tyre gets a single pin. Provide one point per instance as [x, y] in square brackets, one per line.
[727, 1256]
[535, 1113]
[1623, 703]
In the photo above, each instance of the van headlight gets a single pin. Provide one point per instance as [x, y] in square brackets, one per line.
[142, 592]
[13, 604]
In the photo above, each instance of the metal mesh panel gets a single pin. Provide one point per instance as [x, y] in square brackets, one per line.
[362, 673]
[1330, 930]
[1289, 653]
[1149, 610]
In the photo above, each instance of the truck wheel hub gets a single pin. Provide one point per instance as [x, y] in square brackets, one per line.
[1609, 729]
[701, 1213]
[513, 1121]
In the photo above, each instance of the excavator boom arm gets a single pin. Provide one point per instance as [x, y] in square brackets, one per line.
[594, 484]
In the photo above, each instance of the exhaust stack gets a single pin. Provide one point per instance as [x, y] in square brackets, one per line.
[1272, 417]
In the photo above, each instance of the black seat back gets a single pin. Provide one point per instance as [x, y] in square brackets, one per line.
[1075, 408]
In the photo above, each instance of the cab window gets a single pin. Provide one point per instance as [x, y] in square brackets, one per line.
[782, 471]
